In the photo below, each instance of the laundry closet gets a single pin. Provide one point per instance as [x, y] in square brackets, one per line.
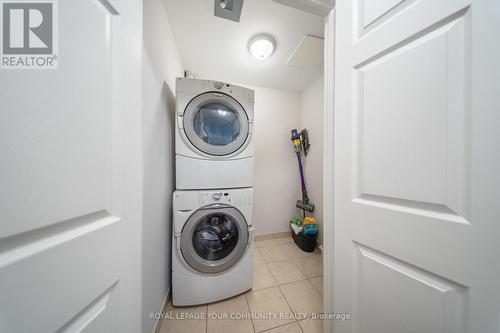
[228, 82]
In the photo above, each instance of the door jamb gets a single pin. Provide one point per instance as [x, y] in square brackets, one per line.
[328, 169]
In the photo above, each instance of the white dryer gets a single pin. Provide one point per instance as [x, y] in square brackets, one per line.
[214, 142]
[212, 245]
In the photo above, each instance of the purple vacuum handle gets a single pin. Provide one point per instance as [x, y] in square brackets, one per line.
[302, 181]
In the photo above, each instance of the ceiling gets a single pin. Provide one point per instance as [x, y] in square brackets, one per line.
[216, 48]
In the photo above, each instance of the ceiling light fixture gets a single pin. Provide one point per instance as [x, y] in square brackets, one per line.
[261, 46]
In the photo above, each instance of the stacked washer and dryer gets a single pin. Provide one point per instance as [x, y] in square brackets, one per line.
[212, 237]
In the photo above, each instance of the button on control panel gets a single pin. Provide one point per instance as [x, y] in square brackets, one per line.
[210, 197]
[217, 196]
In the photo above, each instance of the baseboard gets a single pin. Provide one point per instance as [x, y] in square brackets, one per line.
[282, 234]
[273, 235]
[163, 312]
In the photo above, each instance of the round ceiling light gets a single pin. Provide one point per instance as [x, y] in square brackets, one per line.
[261, 46]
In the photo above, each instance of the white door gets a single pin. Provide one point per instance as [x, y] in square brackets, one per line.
[70, 186]
[417, 160]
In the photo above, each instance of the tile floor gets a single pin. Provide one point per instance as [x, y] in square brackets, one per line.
[286, 281]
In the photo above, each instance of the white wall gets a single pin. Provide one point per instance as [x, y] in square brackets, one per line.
[311, 118]
[277, 186]
[161, 65]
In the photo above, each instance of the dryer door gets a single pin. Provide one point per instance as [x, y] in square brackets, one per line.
[214, 238]
[216, 124]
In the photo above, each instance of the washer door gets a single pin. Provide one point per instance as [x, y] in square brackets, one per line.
[214, 238]
[216, 124]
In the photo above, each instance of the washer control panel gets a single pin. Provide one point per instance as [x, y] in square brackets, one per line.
[227, 197]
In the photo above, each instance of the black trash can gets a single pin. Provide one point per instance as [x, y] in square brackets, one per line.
[305, 242]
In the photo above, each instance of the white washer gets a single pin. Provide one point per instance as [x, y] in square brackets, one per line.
[214, 142]
[212, 245]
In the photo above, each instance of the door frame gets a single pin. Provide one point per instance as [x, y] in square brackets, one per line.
[328, 169]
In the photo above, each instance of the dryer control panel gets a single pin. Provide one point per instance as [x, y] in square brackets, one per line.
[198, 86]
[231, 197]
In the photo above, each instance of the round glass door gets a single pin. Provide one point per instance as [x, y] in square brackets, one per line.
[214, 238]
[216, 124]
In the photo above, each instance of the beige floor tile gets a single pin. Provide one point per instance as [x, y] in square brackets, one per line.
[266, 301]
[285, 271]
[221, 316]
[311, 325]
[302, 297]
[294, 251]
[262, 277]
[289, 328]
[257, 256]
[274, 253]
[266, 242]
[285, 241]
[317, 283]
[170, 306]
[185, 319]
[310, 266]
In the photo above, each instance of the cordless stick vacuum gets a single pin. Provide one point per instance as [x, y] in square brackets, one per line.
[301, 143]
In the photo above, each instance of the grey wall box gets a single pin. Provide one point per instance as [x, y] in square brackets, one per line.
[228, 9]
